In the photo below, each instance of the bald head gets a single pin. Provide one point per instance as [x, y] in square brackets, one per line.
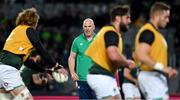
[88, 20]
[88, 27]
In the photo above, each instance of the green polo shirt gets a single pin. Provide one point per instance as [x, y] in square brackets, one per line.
[83, 63]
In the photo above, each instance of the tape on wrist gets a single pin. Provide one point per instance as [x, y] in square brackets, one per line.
[59, 67]
[159, 66]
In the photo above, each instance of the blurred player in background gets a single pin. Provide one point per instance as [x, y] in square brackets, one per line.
[130, 84]
[151, 53]
[17, 48]
[83, 63]
[106, 53]
[33, 72]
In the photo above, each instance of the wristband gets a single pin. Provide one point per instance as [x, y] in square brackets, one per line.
[159, 66]
[59, 67]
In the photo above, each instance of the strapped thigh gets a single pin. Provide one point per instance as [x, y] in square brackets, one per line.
[24, 94]
[5, 96]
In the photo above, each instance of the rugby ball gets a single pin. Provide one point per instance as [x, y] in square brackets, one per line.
[59, 77]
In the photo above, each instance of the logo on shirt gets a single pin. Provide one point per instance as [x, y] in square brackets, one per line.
[21, 48]
[114, 90]
[5, 84]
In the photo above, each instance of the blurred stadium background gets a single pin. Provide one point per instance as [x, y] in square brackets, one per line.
[61, 20]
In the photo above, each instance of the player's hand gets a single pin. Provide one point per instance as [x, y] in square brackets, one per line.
[173, 73]
[131, 64]
[44, 78]
[136, 82]
[74, 76]
[167, 70]
[49, 74]
[170, 72]
[56, 65]
[62, 70]
[48, 71]
[40, 79]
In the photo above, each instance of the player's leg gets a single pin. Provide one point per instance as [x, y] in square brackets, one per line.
[104, 86]
[137, 94]
[21, 93]
[153, 85]
[11, 81]
[4, 95]
[131, 91]
[84, 90]
[128, 91]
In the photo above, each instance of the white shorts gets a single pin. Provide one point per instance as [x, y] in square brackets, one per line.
[103, 85]
[130, 90]
[153, 85]
[9, 77]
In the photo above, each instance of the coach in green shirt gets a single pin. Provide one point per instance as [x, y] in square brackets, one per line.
[79, 63]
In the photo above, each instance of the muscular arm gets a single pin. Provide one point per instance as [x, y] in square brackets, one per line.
[113, 54]
[111, 41]
[127, 74]
[146, 39]
[34, 38]
[143, 54]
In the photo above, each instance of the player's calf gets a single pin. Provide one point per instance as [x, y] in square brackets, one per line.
[21, 93]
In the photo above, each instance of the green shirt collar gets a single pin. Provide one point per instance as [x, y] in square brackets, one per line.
[86, 38]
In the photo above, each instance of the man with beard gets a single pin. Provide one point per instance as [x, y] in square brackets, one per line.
[151, 53]
[106, 53]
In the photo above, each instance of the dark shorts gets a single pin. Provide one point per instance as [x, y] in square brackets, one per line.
[85, 92]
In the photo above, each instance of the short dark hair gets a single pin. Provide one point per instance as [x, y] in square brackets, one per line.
[119, 10]
[27, 17]
[158, 7]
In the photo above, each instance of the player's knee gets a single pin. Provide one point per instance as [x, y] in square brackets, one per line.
[129, 98]
[5, 96]
[23, 95]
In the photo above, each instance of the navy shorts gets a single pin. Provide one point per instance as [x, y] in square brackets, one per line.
[84, 90]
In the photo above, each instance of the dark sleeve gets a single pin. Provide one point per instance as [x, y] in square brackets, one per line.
[111, 38]
[146, 37]
[35, 40]
[34, 66]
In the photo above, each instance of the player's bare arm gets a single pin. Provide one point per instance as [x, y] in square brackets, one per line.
[127, 74]
[143, 55]
[71, 62]
[113, 54]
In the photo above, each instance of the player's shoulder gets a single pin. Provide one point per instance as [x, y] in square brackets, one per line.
[147, 33]
[78, 38]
